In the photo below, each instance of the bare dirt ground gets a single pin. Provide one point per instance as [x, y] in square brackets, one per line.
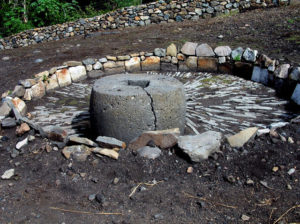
[49, 189]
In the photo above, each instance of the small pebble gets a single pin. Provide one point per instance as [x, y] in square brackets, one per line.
[190, 170]
[116, 180]
[92, 197]
[245, 218]
[220, 36]
[275, 169]
[291, 171]
[158, 216]
[290, 140]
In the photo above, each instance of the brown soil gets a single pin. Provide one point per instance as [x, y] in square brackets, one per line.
[216, 191]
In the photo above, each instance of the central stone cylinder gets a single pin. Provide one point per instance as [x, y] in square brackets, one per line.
[125, 105]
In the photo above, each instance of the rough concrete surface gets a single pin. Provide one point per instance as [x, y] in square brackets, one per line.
[125, 105]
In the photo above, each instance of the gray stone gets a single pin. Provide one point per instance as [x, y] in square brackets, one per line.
[149, 152]
[241, 138]
[83, 141]
[237, 54]
[295, 74]
[88, 61]
[282, 71]
[109, 142]
[200, 147]
[204, 50]
[250, 55]
[95, 74]
[38, 90]
[27, 83]
[39, 60]
[168, 67]
[222, 60]
[198, 11]
[189, 48]
[5, 109]
[296, 94]
[160, 52]
[19, 91]
[77, 152]
[97, 66]
[278, 125]
[223, 51]
[103, 60]
[136, 103]
[8, 122]
[260, 75]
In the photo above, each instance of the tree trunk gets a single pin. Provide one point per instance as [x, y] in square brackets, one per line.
[25, 17]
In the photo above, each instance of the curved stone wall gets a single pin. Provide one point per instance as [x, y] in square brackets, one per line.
[142, 15]
[246, 63]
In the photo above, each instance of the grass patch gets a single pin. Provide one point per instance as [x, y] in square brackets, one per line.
[295, 38]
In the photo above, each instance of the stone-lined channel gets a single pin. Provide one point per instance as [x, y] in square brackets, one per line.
[223, 103]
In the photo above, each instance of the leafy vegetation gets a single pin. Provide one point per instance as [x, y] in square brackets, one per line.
[19, 15]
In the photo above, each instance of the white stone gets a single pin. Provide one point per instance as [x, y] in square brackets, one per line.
[278, 125]
[22, 143]
[63, 77]
[8, 174]
[239, 139]
[51, 83]
[134, 64]
[19, 105]
[296, 94]
[223, 51]
[263, 131]
[222, 60]
[78, 73]
[282, 71]
[201, 146]
[38, 90]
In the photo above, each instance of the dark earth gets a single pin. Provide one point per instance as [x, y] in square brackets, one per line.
[47, 188]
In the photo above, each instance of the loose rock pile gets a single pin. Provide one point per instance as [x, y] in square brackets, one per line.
[142, 15]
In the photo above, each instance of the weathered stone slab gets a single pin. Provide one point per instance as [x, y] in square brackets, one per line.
[82, 141]
[239, 139]
[77, 152]
[282, 71]
[172, 50]
[296, 94]
[206, 64]
[78, 73]
[63, 77]
[295, 74]
[190, 64]
[200, 147]
[204, 50]
[133, 65]
[223, 51]
[38, 90]
[72, 63]
[260, 75]
[19, 91]
[168, 67]
[189, 48]
[151, 63]
[19, 105]
[109, 142]
[112, 67]
[51, 83]
[149, 152]
[5, 109]
[106, 152]
[163, 139]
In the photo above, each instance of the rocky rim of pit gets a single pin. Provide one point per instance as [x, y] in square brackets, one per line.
[191, 57]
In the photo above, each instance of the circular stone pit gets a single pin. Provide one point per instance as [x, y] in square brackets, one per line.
[125, 105]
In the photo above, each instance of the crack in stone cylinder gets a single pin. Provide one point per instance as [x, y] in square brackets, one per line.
[125, 105]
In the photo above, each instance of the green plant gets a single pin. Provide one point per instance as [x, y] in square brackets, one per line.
[12, 21]
[49, 12]
[237, 58]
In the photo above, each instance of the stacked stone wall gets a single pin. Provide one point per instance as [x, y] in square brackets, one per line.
[142, 15]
